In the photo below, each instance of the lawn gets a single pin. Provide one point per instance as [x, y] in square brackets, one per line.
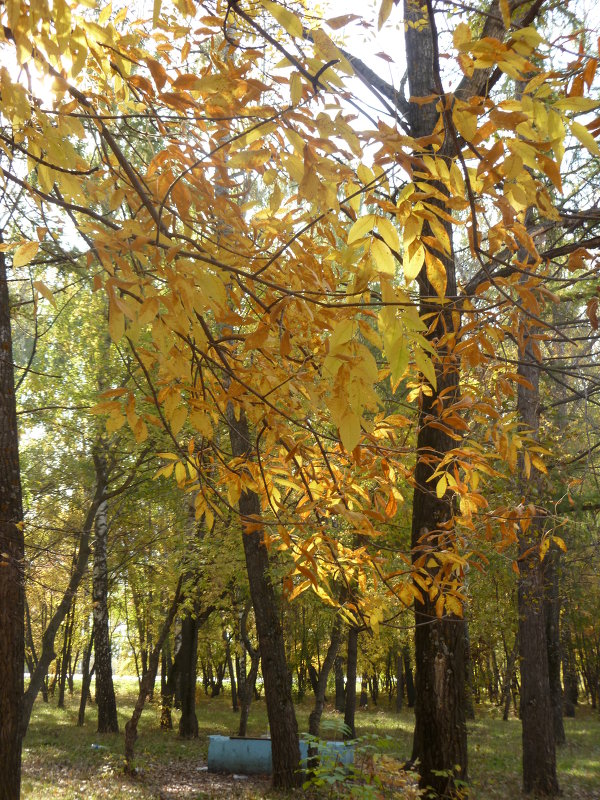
[63, 761]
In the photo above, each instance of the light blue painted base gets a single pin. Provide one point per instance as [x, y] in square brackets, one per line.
[253, 756]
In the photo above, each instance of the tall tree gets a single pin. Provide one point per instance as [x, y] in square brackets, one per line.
[105, 691]
[12, 590]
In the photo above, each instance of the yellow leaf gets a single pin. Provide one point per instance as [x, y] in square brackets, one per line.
[388, 233]
[436, 273]
[385, 9]
[295, 88]
[441, 486]
[425, 365]
[462, 36]
[560, 542]
[362, 226]
[298, 589]
[41, 287]
[576, 104]
[284, 17]
[383, 257]
[453, 605]
[116, 322]
[105, 15]
[585, 137]
[180, 473]
[25, 253]
[178, 419]
[156, 12]
[414, 255]
[350, 431]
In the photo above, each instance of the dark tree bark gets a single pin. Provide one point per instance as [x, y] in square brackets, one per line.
[340, 689]
[399, 683]
[12, 590]
[167, 691]
[86, 679]
[278, 689]
[148, 682]
[469, 676]
[351, 662]
[247, 682]
[188, 658]
[314, 721]
[364, 697]
[539, 756]
[231, 670]
[105, 692]
[552, 610]
[440, 738]
[66, 655]
[408, 677]
[508, 680]
[569, 669]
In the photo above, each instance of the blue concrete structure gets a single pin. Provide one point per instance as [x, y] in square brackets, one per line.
[253, 756]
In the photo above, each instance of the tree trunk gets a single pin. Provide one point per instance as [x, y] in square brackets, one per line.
[351, 662]
[231, 670]
[314, 721]
[440, 738]
[105, 692]
[86, 679]
[12, 551]
[48, 654]
[278, 689]
[508, 680]
[247, 682]
[552, 610]
[539, 757]
[148, 682]
[408, 677]
[569, 671]
[399, 683]
[66, 655]
[167, 679]
[340, 689]
[188, 658]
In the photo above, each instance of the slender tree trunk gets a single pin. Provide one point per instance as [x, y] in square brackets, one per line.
[552, 609]
[231, 670]
[105, 692]
[188, 653]
[351, 663]
[148, 682]
[569, 671]
[12, 590]
[86, 679]
[340, 690]
[539, 757]
[408, 677]
[47, 655]
[167, 679]
[508, 679]
[66, 655]
[248, 693]
[314, 721]
[399, 683]
[278, 689]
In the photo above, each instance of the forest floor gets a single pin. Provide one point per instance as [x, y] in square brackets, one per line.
[62, 762]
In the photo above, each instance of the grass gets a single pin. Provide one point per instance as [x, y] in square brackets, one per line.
[59, 761]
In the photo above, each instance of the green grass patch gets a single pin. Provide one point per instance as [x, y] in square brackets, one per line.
[59, 761]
